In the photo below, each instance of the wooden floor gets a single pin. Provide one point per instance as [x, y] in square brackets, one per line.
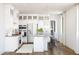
[57, 49]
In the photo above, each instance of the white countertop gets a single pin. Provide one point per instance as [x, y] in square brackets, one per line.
[44, 35]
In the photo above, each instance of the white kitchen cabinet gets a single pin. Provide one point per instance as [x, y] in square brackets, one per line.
[11, 43]
[11, 17]
[24, 39]
[15, 19]
[41, 43]
[46, 41]
[38, 44]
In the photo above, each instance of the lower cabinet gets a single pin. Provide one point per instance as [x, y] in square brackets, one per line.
[38, 44]
[24, 39]
[41, 44]
[11, 43]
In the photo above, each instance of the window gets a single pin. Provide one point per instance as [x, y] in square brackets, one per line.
[24, 17]
[29, 17]
[20, 17]
[40, 17]
[46, 17]
[34, 17]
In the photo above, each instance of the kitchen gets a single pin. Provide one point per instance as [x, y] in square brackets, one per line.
[30, 33]
[34, 22]
[25, 28]
[28, 28]
[35, 29]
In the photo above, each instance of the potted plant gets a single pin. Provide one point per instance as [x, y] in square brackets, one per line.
[40, 31]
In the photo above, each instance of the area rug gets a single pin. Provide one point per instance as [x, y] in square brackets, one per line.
[26, 48]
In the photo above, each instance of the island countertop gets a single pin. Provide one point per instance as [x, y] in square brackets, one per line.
[44, 35]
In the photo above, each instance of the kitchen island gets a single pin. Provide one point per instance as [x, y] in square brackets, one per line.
[41, 43]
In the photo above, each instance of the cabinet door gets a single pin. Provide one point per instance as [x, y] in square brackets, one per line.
[24, 39]
[20, 17]
[11, 43]
[38, 44]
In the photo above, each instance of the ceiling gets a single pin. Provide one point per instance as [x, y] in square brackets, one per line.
[43, 7]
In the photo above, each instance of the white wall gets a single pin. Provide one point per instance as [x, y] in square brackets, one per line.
[69, 28]
[63, 29]
[59, 28]
[2, 28]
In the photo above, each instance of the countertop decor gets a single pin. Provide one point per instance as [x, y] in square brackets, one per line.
[40, 31]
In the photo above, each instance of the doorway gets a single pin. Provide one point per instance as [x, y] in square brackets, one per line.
[52, 39]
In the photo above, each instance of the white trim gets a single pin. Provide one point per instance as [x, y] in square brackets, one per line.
[77, 34]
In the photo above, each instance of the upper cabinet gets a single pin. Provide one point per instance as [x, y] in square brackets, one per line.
[29, 17]
[15, 18]
[24, 17]
[20, 17]
[46, 17]
[41, 17]
[11, 16]
[33, 17]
